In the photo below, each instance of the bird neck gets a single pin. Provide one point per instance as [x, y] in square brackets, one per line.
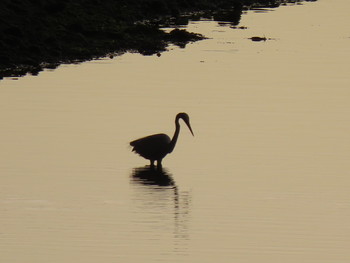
[176, 135]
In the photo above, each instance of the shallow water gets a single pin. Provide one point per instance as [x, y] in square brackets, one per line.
[265, 179]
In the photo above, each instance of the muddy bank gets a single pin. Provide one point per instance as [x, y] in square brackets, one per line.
[37, 34]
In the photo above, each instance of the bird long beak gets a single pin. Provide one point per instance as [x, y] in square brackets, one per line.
[189, 126]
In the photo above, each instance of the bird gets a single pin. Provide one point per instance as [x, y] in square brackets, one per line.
[156, 147]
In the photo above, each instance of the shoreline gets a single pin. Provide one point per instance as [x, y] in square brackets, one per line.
[39, 34]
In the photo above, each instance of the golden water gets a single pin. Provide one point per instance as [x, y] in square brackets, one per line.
[265, 179]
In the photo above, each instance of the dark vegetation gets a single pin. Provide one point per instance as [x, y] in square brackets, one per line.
[37, 34]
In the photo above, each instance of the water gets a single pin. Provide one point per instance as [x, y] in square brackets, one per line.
[265, 179]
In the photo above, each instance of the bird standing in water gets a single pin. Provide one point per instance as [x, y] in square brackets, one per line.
[156, 147]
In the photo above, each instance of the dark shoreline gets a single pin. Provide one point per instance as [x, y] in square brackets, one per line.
[38, 34]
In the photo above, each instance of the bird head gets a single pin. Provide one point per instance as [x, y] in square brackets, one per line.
[184, 116]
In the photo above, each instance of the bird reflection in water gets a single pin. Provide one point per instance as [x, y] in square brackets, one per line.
[150, 175]
[159, 200]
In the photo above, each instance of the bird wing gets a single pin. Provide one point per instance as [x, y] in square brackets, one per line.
[152, 139]
[152, 145]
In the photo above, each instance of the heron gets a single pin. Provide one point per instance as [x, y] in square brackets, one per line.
[156, 147]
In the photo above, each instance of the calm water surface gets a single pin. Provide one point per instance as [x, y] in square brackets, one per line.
[265, 179]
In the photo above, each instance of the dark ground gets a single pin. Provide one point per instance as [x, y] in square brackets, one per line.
[37, 34]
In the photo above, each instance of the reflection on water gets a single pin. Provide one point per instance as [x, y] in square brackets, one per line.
[160, 203]
[151, 175]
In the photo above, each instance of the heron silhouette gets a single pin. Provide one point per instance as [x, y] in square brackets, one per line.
[156, 147]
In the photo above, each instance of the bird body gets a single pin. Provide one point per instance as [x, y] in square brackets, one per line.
[152, 147]
[156, 147]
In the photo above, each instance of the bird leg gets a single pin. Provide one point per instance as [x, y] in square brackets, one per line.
[159, 163]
